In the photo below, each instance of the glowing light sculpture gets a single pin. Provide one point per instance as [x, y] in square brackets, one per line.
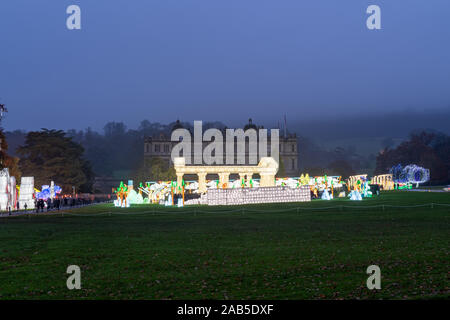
[366, 192]
[355, 195]
[410, 174]
[135, 198]
[326, 195]
[122, 194]
[416, 174]
[48, 191]
[26, 192]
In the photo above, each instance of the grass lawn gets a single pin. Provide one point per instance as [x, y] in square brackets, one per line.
[269, 251]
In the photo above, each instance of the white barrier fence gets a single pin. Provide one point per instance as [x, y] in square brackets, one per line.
[242, 210]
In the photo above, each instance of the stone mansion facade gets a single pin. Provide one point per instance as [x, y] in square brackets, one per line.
[161, 147]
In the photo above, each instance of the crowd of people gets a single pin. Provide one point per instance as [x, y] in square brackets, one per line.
[58, 203]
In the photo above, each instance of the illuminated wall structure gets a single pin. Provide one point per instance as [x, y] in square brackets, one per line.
[242, 196]
[384, 180]
[355, 182]
[161, 147]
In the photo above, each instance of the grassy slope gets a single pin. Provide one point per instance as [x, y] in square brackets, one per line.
[256, 255]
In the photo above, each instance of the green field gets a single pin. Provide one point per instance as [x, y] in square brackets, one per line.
[262, 252]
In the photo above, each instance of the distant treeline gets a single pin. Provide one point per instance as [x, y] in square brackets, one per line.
[115, 150]
[119, 151]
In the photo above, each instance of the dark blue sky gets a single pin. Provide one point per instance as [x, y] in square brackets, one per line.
[224, 60]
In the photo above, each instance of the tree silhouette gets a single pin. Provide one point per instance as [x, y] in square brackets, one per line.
[50, 155]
